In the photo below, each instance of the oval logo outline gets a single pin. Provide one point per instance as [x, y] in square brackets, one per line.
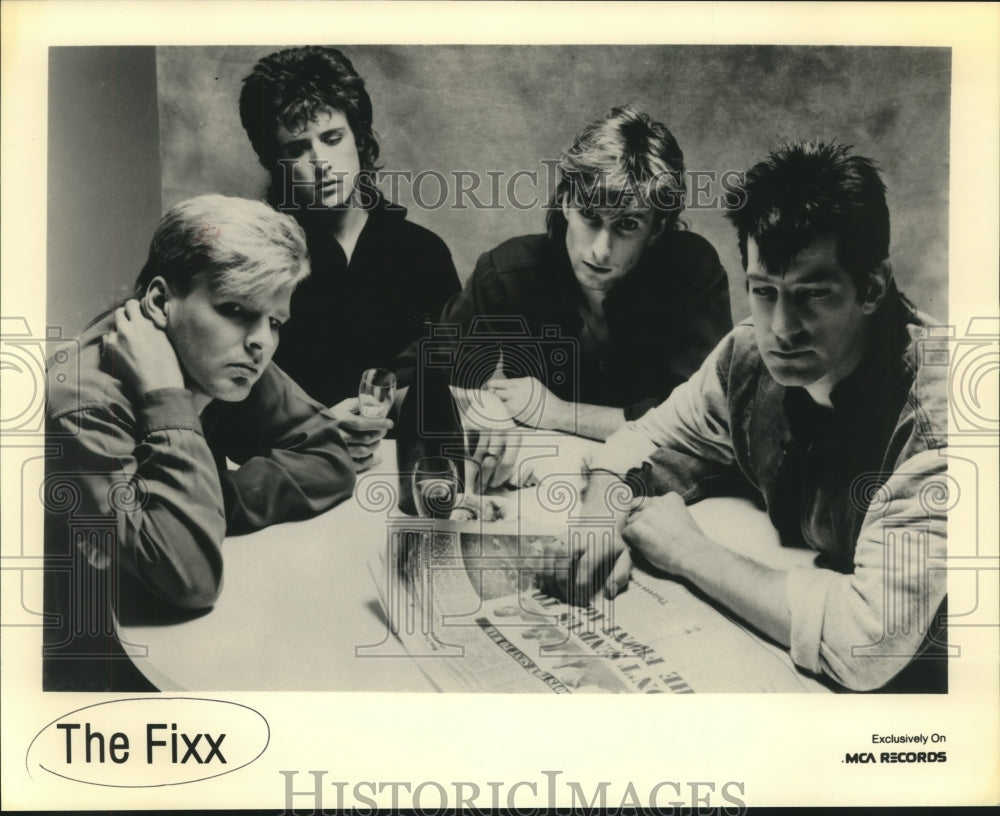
[155, 701]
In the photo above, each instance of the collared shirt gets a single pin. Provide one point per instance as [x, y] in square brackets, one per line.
[350, 316]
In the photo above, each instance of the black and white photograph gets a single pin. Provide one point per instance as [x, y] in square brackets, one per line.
[371, 388]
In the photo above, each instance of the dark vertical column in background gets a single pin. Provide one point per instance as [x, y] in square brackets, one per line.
[104, 183]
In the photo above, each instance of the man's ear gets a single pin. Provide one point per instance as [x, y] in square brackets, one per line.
[155, 303]
[876, 288]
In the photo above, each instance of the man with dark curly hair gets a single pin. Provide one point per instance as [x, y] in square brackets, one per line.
[377, 278]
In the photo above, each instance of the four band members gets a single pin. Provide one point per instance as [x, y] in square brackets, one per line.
[184, 429]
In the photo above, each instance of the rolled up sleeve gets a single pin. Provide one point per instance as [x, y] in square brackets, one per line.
[693, 424]
[864, 628]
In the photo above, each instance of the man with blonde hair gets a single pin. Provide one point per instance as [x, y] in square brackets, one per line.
[173, 386]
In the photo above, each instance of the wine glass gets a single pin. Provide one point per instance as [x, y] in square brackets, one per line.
[435, 487]
[376, 392]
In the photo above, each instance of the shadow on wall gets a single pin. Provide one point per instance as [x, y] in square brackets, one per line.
[103, 177]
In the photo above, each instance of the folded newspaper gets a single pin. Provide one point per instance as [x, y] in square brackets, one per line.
[466, 607]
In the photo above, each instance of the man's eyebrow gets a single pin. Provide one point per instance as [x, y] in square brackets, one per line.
[230, 294]
[617, 213]
[293, 143]
[818, 276]
[262, 306]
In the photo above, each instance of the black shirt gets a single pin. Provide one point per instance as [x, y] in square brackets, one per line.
[347, 317]
[663, 319]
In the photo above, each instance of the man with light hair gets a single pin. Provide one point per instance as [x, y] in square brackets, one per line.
[560, 331]
[617, 277]
[175, 386]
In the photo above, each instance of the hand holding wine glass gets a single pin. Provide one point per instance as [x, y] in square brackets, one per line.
[362, 420]
[376, 392]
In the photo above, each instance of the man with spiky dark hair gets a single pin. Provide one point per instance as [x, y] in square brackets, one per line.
[823, 405]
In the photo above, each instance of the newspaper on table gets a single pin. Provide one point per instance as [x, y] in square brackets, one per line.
[467, 607]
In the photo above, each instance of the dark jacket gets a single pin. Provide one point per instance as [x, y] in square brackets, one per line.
[663, 318]
[347, 317]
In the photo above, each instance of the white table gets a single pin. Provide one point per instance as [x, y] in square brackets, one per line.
[299, 609]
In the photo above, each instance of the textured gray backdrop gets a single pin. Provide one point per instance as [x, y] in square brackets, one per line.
[480, 109]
